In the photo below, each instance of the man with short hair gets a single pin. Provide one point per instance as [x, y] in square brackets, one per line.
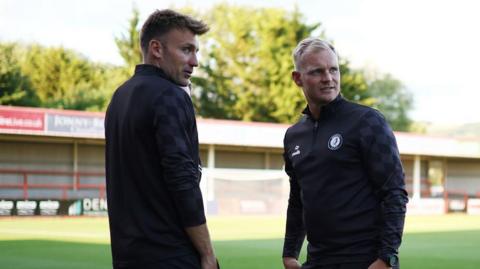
[347, 190]
[153, 170]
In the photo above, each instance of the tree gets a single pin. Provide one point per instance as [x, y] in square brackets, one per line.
[128, 44]
[245, 68]
[112, 77]
[354, 85]
[393, 100]
[64, 79]
[15, 87]
[246, 63]
[245, 72]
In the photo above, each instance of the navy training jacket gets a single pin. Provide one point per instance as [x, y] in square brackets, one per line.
[152, 169]
[347, 185]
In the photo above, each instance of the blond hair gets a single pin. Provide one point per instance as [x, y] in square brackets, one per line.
[310, 44]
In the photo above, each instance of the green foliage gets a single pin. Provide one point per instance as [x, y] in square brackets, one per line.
[354, 86]
[64, 79]
[112, 77]
[244, 73]
[55, 77]
[128, 45]
[15, 87]
[393, 100]
[245, 68]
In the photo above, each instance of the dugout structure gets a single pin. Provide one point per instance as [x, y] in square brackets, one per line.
[51, 156]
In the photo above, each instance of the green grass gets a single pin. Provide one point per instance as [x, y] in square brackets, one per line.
[438, 242]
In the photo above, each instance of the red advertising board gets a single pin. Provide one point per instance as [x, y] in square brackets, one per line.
[22, 120]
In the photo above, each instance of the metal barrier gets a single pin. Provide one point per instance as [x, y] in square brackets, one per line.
[455, 201]
[424, 187]
[65, 187]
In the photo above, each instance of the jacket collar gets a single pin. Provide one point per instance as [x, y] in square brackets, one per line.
[150, 70]
[328, 109]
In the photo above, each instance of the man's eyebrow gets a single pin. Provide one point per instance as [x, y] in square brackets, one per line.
[315, 69]
[190, 45]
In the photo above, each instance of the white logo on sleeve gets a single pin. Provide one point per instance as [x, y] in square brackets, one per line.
[297, 150]
[335, 142]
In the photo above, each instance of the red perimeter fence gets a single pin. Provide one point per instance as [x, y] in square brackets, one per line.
[76, 183]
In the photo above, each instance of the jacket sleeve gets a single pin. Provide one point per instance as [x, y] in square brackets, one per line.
[384, 168]
[173, 123]
[295, 228]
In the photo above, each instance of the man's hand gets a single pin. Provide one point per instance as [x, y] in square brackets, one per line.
[291, 263]
[201, 240]
[209, 262]
[379, 264]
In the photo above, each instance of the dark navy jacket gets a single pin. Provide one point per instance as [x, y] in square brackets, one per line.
[152, 169]
[347, 185]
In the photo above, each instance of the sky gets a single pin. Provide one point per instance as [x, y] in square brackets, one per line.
[432, 46]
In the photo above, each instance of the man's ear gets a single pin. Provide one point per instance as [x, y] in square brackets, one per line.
[296, 78]
[155, 48]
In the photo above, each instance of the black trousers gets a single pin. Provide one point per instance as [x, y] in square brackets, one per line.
[183, 262]
[359, 265]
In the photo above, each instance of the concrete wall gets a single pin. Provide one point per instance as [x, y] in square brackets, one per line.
[463, 175]
[34, 158]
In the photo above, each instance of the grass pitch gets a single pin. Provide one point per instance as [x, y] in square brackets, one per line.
[440, 242]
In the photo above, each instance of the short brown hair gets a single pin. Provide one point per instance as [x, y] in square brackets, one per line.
[162, 21]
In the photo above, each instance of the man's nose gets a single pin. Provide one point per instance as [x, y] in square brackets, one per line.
[193, 60]
[327, 76]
